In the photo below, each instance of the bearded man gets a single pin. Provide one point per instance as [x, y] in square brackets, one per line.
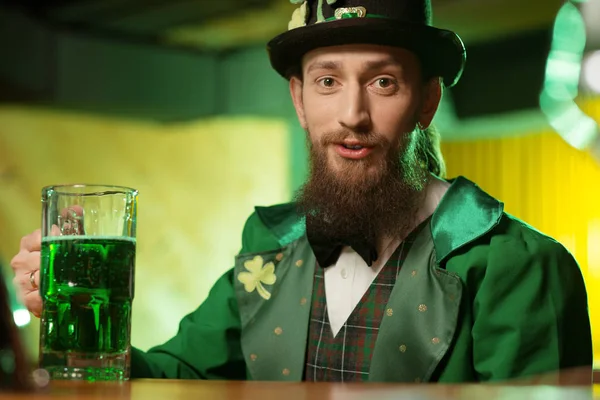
[381, 270]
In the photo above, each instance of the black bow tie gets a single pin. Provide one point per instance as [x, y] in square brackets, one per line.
[327, 250]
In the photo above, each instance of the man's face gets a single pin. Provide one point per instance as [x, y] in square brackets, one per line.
[359, 105]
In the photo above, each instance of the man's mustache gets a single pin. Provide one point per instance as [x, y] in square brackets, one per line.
[370, 139]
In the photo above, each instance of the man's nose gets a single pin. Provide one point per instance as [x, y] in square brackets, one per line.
[354, 112]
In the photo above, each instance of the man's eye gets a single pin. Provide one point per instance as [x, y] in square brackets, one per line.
[327, 82]
[384, 82]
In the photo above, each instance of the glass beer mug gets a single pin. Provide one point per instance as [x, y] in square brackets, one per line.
[87, 281]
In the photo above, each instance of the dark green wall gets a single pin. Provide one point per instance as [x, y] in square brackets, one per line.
[133, 79]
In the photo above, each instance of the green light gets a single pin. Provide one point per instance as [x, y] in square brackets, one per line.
[21, 317]
[565, 117]
[563, 71]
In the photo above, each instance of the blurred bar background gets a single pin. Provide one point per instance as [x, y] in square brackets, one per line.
[177, 99]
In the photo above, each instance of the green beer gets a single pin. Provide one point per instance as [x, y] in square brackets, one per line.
[87, 287]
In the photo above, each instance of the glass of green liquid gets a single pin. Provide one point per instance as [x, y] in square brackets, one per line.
[87, 281]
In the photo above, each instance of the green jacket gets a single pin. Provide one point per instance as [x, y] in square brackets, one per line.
[486, 298]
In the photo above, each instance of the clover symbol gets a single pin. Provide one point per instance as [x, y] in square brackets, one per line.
[257, 275]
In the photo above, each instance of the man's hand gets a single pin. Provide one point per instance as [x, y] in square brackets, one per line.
[26, 265]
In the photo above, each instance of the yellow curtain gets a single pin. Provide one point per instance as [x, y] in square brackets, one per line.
[198, 183]
[548, 184]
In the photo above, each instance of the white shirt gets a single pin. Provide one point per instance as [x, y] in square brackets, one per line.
[350, 277]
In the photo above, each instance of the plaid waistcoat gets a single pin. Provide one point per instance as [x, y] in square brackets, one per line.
[347, 357]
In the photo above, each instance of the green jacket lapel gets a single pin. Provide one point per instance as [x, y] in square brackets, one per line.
[420, 319]
[423, 309]
[274, 348]
[464, 214]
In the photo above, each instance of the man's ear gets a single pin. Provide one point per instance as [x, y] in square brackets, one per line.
[296, 92]
[432, 95]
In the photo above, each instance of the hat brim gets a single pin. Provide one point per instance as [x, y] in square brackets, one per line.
[442, 52]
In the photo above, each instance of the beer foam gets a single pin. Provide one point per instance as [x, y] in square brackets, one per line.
[87, 237]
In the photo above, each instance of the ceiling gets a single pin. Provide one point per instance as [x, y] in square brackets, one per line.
[225, 24]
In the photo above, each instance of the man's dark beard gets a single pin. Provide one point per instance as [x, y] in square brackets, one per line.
[355, 205]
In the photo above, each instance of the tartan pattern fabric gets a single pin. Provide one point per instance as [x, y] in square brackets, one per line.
[347, 357]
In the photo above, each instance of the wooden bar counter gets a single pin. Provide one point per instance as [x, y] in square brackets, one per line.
[574, 385]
